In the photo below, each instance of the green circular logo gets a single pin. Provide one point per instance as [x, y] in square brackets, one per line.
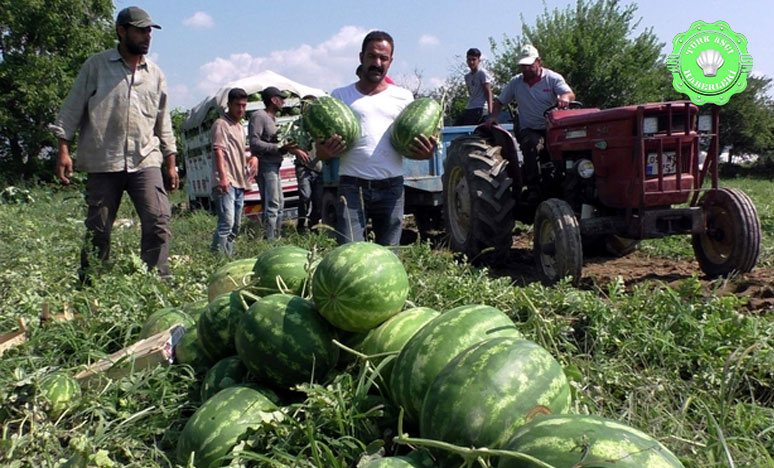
[709, 62]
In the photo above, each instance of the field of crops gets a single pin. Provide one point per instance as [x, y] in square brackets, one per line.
[678, 356]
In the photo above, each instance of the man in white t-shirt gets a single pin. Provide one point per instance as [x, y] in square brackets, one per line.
[479, 85]
[370, 169]
[535, 89]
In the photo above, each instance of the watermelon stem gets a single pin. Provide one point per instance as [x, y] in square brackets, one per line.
[469, 454]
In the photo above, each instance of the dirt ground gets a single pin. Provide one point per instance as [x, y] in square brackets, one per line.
[757, 286]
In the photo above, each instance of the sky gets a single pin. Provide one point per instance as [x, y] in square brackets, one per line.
[203, 45]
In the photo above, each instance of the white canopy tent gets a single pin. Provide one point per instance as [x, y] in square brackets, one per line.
[251, 84]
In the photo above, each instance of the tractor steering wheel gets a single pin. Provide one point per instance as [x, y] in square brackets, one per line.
[571, 105]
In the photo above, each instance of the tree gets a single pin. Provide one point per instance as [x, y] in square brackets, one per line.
[590, 45]
[42, 47]
[747, 120]
[453, 92]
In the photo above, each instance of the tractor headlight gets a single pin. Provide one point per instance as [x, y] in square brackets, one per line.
[585, 168]
[705, 123]
[650, 125]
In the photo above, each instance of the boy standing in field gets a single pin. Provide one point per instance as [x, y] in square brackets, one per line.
[232, 171]
[479, 85]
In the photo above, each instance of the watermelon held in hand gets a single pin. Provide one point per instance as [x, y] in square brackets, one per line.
[421, 117]
[436, 344]
[163, 319]
[230, 276]
[281, 270]
[328, 116]
[283, 340]
[583, 440]
[214, 429]
[490, 390]
[60, 391]
[359, 285]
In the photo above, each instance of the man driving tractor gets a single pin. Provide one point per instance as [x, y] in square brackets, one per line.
[534, 90]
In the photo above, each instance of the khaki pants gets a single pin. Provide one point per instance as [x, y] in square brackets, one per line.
[104, 191]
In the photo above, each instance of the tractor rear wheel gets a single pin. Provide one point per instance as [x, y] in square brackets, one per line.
[732, 239]
[557, 242]
[478, 199]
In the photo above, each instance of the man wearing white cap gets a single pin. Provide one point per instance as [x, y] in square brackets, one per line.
[535, 89]
[118, 106]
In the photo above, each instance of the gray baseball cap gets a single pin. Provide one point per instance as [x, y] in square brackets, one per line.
[136, 17]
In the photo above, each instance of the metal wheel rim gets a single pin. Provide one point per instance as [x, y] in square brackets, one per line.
[547, 236]
[718, 250]
[459, 206]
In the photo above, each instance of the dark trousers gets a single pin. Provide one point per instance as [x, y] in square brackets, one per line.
[310, 192]
[470, 117]
[532, 143]
[104, 191]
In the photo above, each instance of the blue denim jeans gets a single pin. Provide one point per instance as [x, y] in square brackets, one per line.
[310, 192]
[270, 185]
[229, 207]
[384, 206]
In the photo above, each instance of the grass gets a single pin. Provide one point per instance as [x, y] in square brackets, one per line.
[761, 191]
[674, 361]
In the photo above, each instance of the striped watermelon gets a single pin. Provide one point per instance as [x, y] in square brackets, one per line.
[163, 319]
[229, 277]
[283, 340]
[583, 440]
[216, 326]
[491, 389]
[416, 459]
[227, 372]
[436, 344]
[214, 429]
[195, 309]
[393, 334]
[281, 267]
[421, 117]
[60, 392]
[189, 350]
[359, 285]
[328, 116]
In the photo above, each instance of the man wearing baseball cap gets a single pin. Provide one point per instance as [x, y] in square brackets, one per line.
[262, 135]
[118, 106]
[535, 89]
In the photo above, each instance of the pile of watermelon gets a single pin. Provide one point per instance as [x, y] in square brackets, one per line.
[465, 376]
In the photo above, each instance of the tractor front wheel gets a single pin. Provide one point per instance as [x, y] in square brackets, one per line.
[557, 242]
[731, 241]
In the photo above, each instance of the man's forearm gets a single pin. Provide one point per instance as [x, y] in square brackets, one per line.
[497, 107]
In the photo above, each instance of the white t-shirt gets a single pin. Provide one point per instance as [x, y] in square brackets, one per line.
[372, 156]
[534, 100]
[475, 82]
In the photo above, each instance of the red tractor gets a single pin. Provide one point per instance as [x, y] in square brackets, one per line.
[609, 179]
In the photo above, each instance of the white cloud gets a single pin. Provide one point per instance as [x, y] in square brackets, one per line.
[327, 65]
[200, 20]
[428, 40]
[180, 93]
